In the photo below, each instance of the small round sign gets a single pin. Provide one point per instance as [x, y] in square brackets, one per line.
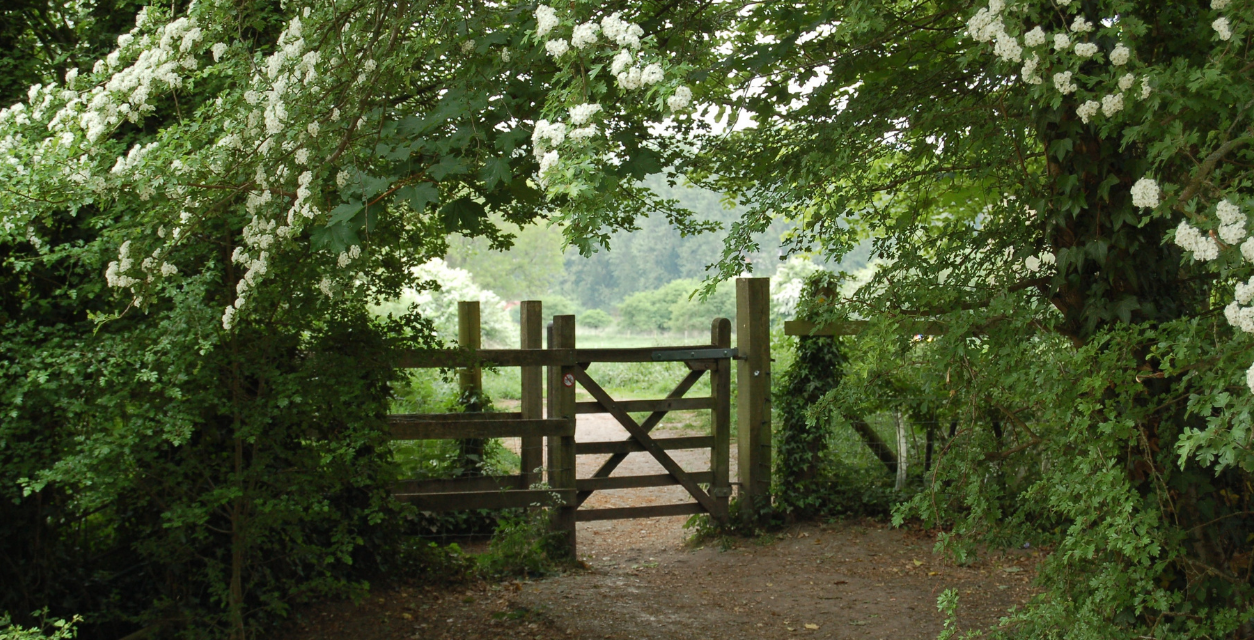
[569, 379]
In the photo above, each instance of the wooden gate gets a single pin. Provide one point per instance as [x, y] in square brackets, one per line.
[567, 367]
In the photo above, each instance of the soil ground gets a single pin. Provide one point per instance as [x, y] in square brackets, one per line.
[846, 580]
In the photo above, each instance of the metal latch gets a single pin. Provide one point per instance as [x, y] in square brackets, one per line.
[693, 354]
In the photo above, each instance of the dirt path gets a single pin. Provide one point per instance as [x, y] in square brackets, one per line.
[847, 580]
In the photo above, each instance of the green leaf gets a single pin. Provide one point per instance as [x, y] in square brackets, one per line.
[464, 215]
[447, 166]
[496, 170]
[345, 212]
[419, 195]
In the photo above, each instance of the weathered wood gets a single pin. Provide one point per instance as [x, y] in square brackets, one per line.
[624, 447]
[753, 379]
[640, 406]
[902, 452]
[639, 354]
[562, 449]
[720, 422]
[531, 336]
[466, 500]
[654, 511]
[654, 418]
[455, 485]
[451, 430]
[854, 327]
[637, 482]
[444, 358]
[469, 387]
[469, 416]
[643, 438]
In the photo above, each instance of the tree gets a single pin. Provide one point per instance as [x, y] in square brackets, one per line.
[1064, 187]
[193, 226]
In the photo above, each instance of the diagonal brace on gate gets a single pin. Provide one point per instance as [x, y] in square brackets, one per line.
[654, 418]
[640, 435]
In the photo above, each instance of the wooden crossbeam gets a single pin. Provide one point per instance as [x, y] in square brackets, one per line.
[638, 406]
[638, 482]
[652, 511]
[643, 438]
[623, 447]
[653, 420]
[560, 357]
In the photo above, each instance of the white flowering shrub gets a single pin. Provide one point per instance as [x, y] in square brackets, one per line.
[439, 288]
[1063, 188]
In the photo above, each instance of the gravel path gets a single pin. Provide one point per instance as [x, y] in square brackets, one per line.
[855, 579]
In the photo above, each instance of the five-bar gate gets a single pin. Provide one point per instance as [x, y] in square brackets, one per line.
[569, 367]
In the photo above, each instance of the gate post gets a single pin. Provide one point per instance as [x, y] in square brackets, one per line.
[470, 384]
[753, 404]
[562, 448]
[532, 337]
[720, 391]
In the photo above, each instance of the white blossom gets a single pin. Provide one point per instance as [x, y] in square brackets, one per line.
[680, 99]
[985, 25]
[621, 62]
[1061, 41]
[546, 19]
[1112, 104]
[1229, 213]
[343, 260]
[581, 114]
[1231, 234]
[168, 269]
[302, 156]
[1145, 193]
[1249, 373]
[313, 129]
[1119, 55]
[552, 133]
[1029, 70]
[1088, 110]
[1247, 249]
[505, 55]
[1085, 49]
[1081, 25]
[584, 34]
[1126, 82]
[1145, 88]
[556, 48]
[652, 74]
[468, 46]
[584, 133]
[1203, 247]
[228, 318]
[325, 287]
[1007, 48]
[1062, 82]
[1034, 38]
[629, 79]
[548, 161]
[1219, 5]
[1221, 27]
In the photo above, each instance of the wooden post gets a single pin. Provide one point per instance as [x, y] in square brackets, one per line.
[720, 423]
[562, 448]
[753, 406]
[532, 337]
[470, 384]
[902, 448]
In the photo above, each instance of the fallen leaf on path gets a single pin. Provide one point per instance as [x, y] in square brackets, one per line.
[917, 562]
[812, 626]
